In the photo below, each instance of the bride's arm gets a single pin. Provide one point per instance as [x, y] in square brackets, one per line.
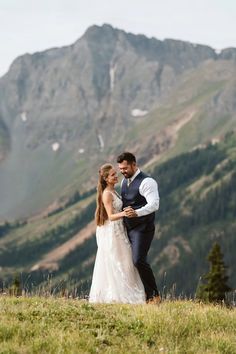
[107, 201]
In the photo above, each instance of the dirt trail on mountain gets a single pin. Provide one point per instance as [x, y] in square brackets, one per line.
[173, 128]
[51, 259]
[167, 138]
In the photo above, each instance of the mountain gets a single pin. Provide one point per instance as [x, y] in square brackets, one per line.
[65, 111]
[197, 208]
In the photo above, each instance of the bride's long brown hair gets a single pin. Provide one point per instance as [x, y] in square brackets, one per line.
[101, 214]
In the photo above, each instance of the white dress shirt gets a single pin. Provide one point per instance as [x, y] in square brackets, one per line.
[149, 190]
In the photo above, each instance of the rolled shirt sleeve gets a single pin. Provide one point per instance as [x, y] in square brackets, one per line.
[149, 190]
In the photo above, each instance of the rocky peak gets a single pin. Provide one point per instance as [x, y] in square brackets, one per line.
[171, 52]
[105, 32]
[228, 54]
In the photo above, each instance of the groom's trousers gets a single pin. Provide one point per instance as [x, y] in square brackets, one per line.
[141, 238]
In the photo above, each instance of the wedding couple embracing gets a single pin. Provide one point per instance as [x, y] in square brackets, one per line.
[125, 229]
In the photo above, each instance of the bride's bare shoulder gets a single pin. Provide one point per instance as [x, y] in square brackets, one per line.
[107, 195]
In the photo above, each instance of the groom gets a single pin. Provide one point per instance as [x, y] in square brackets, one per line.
[140, 201]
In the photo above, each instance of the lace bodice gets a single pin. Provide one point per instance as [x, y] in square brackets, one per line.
[118, 225]
[117, 202]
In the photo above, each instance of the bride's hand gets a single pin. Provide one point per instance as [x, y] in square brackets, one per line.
[130, 212]
[127, 209]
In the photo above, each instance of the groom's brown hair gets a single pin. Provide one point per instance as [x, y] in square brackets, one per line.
[126, 156]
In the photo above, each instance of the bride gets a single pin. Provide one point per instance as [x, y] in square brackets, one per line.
[115, 278]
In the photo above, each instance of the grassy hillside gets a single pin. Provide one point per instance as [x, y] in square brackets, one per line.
[50, 325]
[198, 207]
[23, 244]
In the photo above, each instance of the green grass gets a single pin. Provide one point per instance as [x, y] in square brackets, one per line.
[57, 325]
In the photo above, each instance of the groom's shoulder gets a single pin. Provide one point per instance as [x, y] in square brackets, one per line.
[145, 175]
[148, 177]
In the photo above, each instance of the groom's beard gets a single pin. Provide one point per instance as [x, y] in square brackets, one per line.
[127, 175]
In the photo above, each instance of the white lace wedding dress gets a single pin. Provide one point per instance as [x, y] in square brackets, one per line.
[115, 278]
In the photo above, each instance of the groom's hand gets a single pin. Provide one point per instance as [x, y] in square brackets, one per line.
[130, 212]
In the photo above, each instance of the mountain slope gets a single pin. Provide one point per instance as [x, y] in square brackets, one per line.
[71, 108]
[197, 191]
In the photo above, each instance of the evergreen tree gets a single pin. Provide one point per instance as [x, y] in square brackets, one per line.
[15, 289]
[215, 285]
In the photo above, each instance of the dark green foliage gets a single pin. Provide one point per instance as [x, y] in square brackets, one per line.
[73, 276]
[214, 287]
[7, 226]
[32, 250]
[75, 198]
[15, 289]
[218, 204]
[187, 167]
[75, 265]
[4, 228]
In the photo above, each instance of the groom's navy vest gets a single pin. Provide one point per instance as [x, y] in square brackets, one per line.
[131, 197]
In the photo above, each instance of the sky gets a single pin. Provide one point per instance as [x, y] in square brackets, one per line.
[28, 26]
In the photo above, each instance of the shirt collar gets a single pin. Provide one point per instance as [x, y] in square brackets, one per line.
[135, 175]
